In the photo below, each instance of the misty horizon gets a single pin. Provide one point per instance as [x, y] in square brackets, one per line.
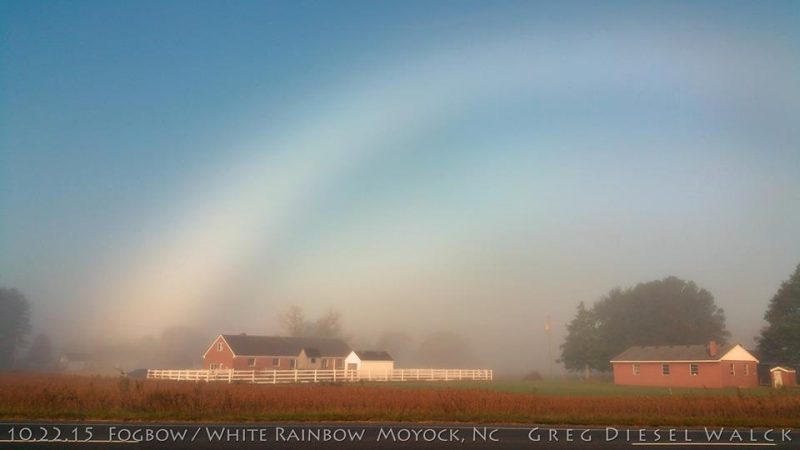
[475, 169]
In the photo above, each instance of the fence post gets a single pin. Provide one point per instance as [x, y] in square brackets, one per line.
[208, 375]
[315, 375]
[295, 375]
[334, 372]
[254, 376]
[230, 375]
[274, 376]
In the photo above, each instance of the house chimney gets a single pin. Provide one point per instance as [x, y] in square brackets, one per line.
[712, 348]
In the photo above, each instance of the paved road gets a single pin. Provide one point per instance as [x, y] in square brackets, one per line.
[130, 435]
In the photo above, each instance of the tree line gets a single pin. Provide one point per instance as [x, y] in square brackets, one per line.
[672, 311]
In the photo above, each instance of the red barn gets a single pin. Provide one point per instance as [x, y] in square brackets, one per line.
[243, 352]
[709, 366]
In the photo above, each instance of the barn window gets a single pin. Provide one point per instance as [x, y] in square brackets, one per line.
[665, 369]
[324, 363]
[732, 370]
[313, 360]
[251, 362]
[339, 363]
[292, 363]
[747, 369]
[276, 362]
[636, 369]
[693, 369]
[219, 346]
[214, 366]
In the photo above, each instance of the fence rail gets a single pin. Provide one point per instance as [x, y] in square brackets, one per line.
[320, 376]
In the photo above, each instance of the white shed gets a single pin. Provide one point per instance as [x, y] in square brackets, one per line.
[373, 360]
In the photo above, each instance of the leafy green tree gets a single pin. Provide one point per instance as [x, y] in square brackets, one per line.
[661, 312]
[581, 350]
[780, 339]
[15, 325]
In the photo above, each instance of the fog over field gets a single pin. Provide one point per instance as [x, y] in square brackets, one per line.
[420, 168]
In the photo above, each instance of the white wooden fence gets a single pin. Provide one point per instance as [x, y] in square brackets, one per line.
[319, 376]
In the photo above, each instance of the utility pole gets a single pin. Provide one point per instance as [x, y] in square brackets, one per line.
[547, 329]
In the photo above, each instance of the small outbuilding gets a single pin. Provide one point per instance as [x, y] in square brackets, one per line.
[373, 360]
[783, 377]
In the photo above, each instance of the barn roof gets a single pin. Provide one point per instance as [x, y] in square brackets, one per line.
[373, 355]
[671, 353]
[247, 345]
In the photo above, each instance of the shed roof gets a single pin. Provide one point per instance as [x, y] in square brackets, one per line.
[373, 355]
[247, 345]
[671, 353]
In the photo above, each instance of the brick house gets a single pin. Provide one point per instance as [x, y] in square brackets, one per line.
[245, 352]
[710, 365]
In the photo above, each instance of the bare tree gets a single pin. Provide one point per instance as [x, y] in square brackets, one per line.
[294, 322]
[329, 324]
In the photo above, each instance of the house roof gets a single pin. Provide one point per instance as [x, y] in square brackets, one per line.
[373, 355]
[247, 345]
[672, 353]
[313, 353]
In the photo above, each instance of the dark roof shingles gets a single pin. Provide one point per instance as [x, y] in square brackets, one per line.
[246, 345]
[373, 355]
[671, 353]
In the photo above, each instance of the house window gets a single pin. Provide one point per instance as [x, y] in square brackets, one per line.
[292, 363]
[732, 370]
[693, 369]
[313, 360]
[636, 369]
[219, 346]
[665, 369]
[324, 363]
[746, 369]
[276, 362]
[251, 362]
[339, 363]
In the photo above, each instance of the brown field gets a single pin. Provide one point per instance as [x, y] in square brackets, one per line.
[81, 398]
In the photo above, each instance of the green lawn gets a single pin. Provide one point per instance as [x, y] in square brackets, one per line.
[580, 388]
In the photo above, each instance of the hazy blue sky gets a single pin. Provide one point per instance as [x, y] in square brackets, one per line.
[418, 165]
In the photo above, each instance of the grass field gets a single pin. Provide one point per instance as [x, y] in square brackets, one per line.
[592, 389]
[82, 398]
